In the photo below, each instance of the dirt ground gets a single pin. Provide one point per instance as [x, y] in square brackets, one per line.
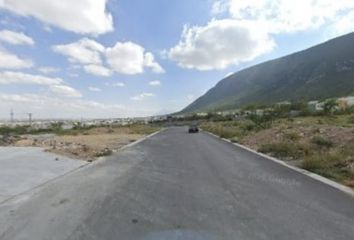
[87, 145]
[282, 133]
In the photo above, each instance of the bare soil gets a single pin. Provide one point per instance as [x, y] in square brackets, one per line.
[87, 145]
[276, 134]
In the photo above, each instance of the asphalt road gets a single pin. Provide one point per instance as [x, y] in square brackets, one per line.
[184, 186]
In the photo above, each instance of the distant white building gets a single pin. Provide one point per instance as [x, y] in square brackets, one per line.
[202, 114]
[345, 102]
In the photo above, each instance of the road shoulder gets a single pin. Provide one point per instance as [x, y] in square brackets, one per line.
[314, 176]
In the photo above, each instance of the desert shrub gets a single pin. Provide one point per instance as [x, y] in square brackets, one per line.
[282, 150]
[263, 121]
[226, 132]
[293, 136]
[313, 163]
[331, 165]
[322, 142]
[248, 126]
[14, 130]
[330, 106]
[229, 130]
[286, 150]
[348, 149]
[142, 129]
[349, 183]
[350, 120]
[105, 152]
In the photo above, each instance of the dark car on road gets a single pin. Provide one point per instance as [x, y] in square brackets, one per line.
[193, 129]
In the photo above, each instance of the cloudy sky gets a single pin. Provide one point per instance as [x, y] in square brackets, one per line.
[118, 58]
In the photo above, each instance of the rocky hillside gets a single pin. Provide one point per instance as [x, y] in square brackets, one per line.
[322, 71]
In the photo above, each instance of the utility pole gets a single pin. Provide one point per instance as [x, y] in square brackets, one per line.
[12, 116]
[30, 118]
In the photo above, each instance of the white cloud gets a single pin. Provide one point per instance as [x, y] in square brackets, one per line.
[284, 15]
[248, 30]
[126, 58]
[155, 83]
[43, 106]
[130, 58]
[142, 96]
[98, 70]
[8, 77]
[85, 51]
[123, 57]
[48, 70]
[118, 84]
[15, 38]
[220, 6]
[79, 16]
[149, 61]
[219, 44]
[11, 61]
[16, 98]
[342, 25]
[65, 91]
[94, 89]
[55, 85]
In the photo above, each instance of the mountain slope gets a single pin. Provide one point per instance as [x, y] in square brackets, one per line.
[323, 71]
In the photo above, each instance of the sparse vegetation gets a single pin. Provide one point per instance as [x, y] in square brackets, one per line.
[83, 142]
[293, 136]
[103, 153]
[331, 165]
[142, 129]
[283, 150]
[321, 144]
[230, 130]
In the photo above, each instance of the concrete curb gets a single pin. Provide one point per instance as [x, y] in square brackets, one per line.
[312, 175]
[86, 165]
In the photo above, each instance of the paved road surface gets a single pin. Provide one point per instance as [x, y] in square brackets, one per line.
[181, 186]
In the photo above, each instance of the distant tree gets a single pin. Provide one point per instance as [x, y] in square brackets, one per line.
[251, 107]
[329, 106]
[263, 121]
[57, 126]
[77, 125]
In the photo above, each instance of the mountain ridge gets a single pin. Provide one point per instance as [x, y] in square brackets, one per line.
[322, 71]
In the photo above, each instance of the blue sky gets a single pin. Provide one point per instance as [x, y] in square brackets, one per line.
[118, 58]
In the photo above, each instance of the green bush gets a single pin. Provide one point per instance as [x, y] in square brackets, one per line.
[293, 136]
[314, 163]
[262, 121]
[248, 126]
[283, 150]
[227, 130]
[104, 153]
[351, 120]
[142, 129]
[322, 142]
[331, 165]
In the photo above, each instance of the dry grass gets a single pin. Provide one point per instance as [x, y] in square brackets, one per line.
[89, 144]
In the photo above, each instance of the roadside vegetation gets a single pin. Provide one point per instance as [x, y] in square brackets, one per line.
[78, 128]
[322, 143]
[81, 142]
